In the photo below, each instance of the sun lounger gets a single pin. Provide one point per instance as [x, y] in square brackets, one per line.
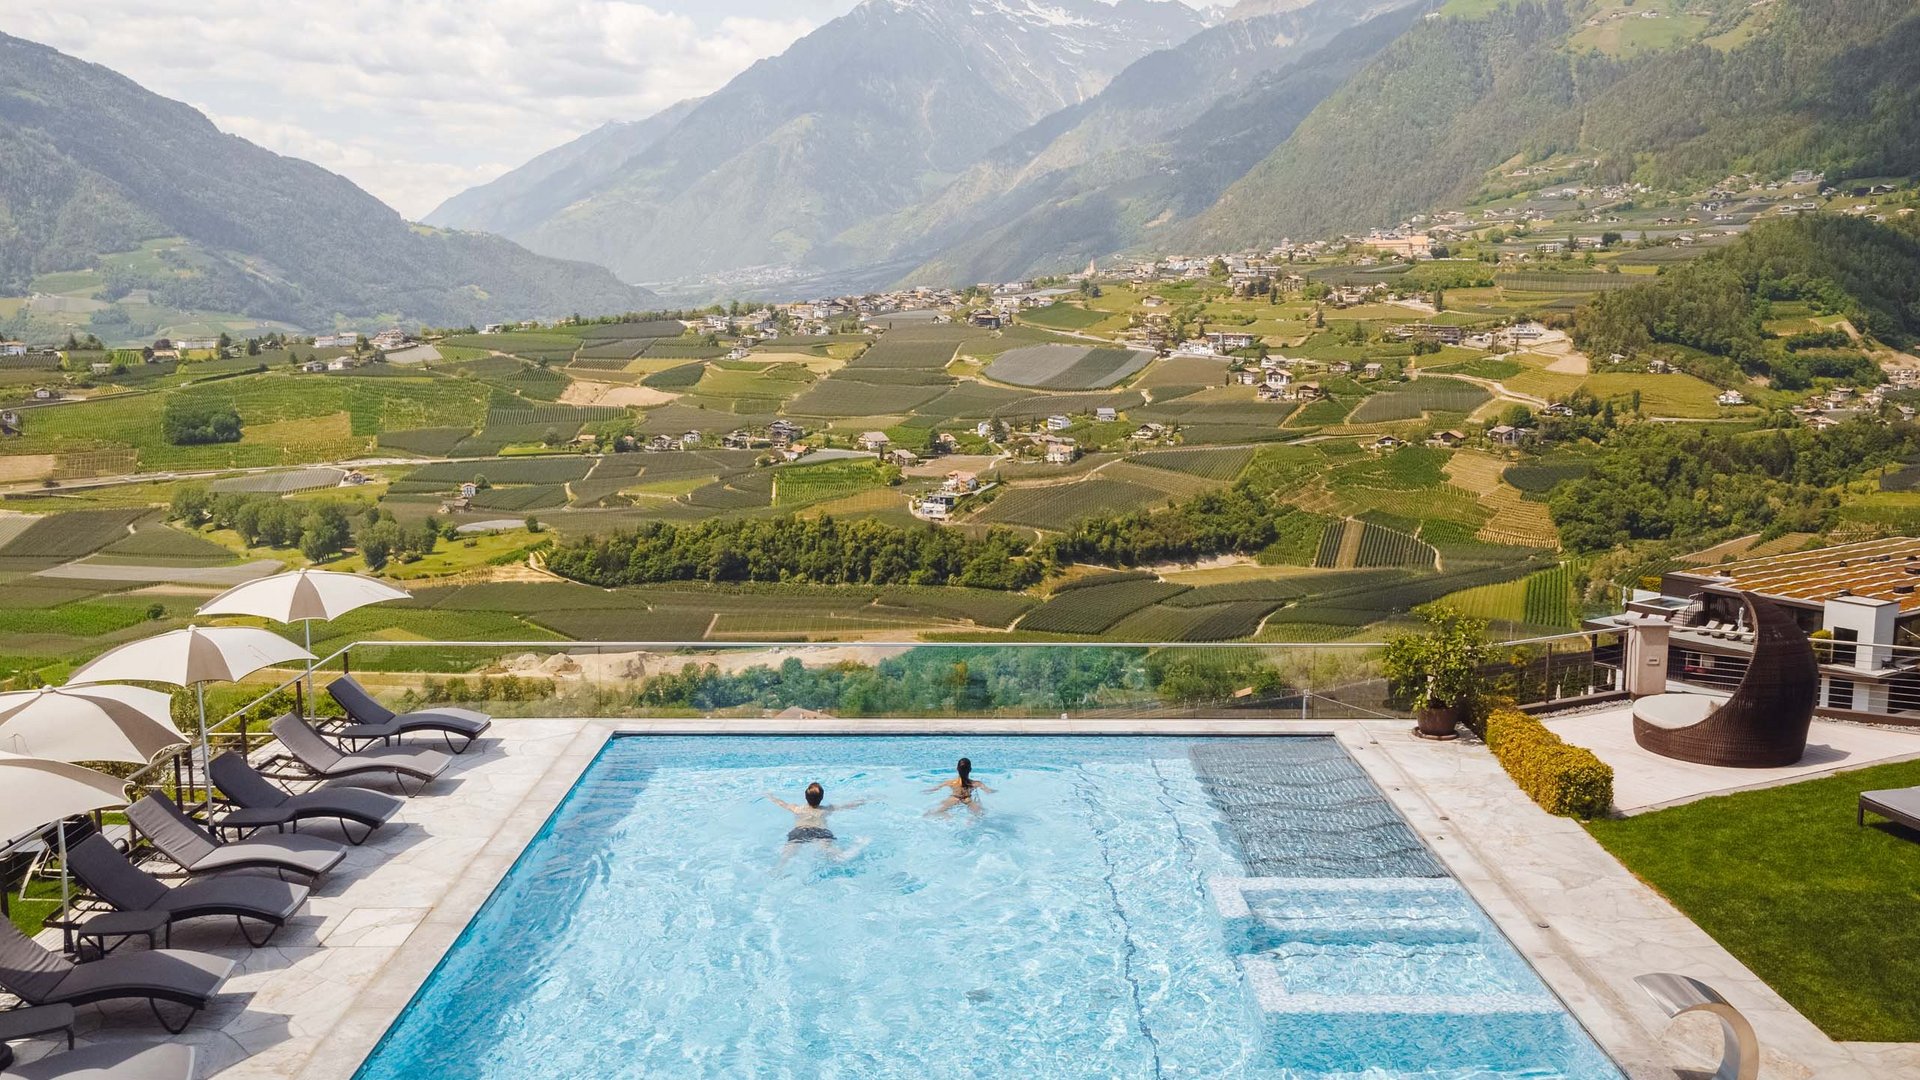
[186, 842]
[262, 804]
[126, 887]
[1900, 805]
[329, 762]
[111, 1061]
[38, 976]
[374, 722]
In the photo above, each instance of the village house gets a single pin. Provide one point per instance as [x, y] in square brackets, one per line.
[739, 352]
[13, 348]
[100, 367]
[1507, 434]
[1307, 391]
[961, 482]
[1558, 408]
[944, 443]
[986, 320]
[469, 489]
[46, 393]
[1106, 414]
[875, 441]
[743, 439]
[1229, 340]
[1148, 432]
[9, 422]
[1057, 422]
[1278, 380]
[1062, 451]
[1244, 376]
[1448, 438]
[1385, 442]
[1372, 371]
[984, 429]
[689, 440]
[1731, 398]
[336, 341]
[340, 363]
[314, 367]
[390, 340]
[937, 506]
[660, 443]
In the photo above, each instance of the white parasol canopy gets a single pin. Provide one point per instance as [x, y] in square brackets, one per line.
[35, 791]
[89, 723]
[193, 656]
[302, 596]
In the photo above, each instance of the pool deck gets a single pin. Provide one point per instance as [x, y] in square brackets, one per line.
[1643, 780]
[314, 1002]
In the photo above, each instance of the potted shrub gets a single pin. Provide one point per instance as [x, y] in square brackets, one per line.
[1438, 669]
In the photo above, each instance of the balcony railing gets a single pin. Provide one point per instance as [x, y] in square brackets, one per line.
[898, 680]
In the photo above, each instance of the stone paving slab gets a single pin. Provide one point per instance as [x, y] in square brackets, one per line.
[312, 1003]
[1643, 780]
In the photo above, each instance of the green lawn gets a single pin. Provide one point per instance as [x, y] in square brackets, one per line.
[1824, 911]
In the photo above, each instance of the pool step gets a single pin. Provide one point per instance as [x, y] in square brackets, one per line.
[1304, 807]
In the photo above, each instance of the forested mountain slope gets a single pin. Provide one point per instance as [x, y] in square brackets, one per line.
[1831, 84]
[865, 115]
[91, 163]
[1158, 144]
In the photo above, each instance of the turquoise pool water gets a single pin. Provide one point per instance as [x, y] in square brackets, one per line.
[1125, 907]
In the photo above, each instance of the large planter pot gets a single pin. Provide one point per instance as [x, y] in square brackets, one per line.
[1440, 721]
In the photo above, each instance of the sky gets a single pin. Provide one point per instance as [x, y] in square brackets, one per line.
[417, 100]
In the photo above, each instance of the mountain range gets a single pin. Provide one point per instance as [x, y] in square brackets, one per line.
[944, 141]
[92, 165]
[950, 141]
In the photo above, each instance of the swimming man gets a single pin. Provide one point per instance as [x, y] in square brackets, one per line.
[810, 822]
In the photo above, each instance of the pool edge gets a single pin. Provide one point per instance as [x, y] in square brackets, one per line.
[1594, 1006]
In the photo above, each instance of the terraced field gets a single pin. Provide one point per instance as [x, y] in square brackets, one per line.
[1430, 394]
[1066, 367]
[1515, 519]
[1058, 506]
[1095, 609]
[1224, 464]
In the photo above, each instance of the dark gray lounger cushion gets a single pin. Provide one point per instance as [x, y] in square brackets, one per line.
[111, 1061]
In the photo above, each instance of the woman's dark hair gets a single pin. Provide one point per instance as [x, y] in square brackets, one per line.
[966, 771]
[815, 794]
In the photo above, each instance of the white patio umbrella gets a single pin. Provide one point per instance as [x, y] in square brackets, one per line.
[89, 723]
[303, 596]
[36, 790]
[194, 656]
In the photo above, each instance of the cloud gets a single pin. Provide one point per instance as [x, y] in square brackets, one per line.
[414, 101]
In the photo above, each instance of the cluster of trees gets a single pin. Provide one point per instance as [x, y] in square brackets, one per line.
[821, 551]
[194, 421]
[1237, 521]
[381, 538]
[320, 528]
[1718, 304]
[1662, 481]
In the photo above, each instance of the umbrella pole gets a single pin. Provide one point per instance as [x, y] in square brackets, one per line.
[66, 898]
[200, 700]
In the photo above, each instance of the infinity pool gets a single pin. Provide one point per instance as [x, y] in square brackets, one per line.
[1125, 907]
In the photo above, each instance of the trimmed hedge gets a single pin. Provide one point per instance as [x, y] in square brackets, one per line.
[1563, 779]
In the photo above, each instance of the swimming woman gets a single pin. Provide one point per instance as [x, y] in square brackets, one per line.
[810, 822]
[962, 790]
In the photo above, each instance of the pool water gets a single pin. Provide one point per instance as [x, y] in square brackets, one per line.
[1124, 907]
